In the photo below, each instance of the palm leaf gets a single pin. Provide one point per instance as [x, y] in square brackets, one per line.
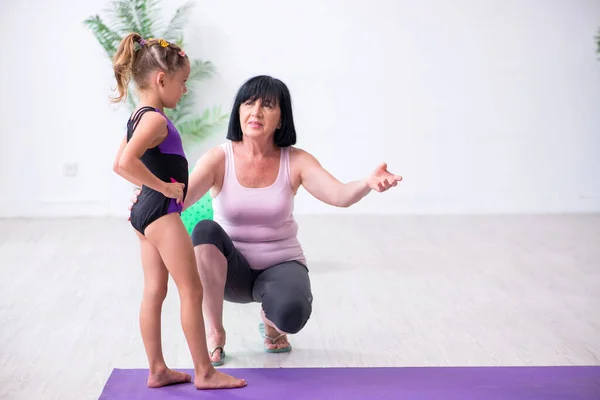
[123, 13]
[200, 70]
[108, 39]
[146, 12]
[202, 126]
[177, 23]
[178, 41]
[183, 110]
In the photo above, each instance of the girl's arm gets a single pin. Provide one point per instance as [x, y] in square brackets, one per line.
[150, 132]
[119, 170]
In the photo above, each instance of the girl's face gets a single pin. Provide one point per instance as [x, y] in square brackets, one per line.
[172, 86]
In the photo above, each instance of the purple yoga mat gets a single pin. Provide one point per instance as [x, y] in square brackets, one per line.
[464, 383]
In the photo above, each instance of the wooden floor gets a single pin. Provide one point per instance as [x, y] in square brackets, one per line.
[397, 291]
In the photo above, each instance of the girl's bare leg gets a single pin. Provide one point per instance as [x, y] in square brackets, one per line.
[156, 279]
[174, 244]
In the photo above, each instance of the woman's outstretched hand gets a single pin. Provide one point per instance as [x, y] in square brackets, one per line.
[381, 179]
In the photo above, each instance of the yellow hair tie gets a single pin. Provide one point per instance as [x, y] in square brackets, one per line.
[163, 43]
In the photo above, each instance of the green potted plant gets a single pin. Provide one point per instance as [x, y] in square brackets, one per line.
[143, 17]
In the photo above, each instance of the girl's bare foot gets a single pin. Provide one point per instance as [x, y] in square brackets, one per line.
[167, 377]
[218, 380]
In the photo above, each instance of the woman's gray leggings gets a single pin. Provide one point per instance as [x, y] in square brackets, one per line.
[283, 289]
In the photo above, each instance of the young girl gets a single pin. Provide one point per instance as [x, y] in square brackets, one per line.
[151, 156]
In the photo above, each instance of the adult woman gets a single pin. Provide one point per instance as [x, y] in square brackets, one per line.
[250, 251]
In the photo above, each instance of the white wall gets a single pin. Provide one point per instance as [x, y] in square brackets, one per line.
[483, 106]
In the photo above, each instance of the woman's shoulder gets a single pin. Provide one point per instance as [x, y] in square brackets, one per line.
[298, 152]
[300, 155]
[217, 151]
[212, 157]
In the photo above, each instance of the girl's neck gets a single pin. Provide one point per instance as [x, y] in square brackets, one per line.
[152, 100]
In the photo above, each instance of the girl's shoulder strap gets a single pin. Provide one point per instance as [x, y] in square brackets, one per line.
[134, 120]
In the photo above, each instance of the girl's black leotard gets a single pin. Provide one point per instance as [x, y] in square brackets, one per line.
[166, 161]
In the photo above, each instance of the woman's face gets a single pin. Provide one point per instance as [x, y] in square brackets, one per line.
[259, 118]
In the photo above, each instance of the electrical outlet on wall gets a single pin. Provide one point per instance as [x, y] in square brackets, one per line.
[70, 169]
